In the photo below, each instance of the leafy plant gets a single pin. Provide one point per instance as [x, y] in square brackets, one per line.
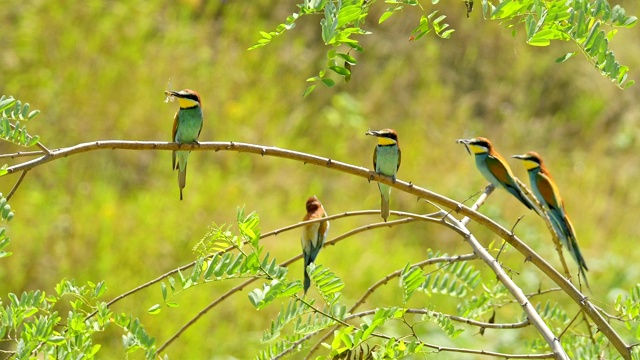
[579, 21]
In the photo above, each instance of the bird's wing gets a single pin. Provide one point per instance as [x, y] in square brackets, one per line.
[550, 193]
[499, 168]
[551, 196]
[375, 157]
[173, 138]
[500, 171]
[323, 229]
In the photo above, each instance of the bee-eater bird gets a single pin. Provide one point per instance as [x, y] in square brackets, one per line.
[495, 168]
[546, 191]
[187, 125]
[386, 161]
[313, 235]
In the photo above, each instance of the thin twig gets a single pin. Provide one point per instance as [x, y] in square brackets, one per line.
[43, 148]
[21, 154]
[15, 187]
[485, 194]
[459, 319]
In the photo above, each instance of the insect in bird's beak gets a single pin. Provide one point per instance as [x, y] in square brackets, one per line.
[169, 97]
[373, 133]
[465, 142]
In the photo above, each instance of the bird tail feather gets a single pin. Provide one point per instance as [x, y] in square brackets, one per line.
[307, 281]
[182, 178]
[385, 194]
[384, 208]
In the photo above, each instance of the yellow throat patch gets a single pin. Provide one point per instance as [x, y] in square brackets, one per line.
[530, 165]
[385, 141]
[477, 149]
[186, 103]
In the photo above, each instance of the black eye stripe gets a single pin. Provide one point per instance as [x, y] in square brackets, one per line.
[190, 96]
[390, 136]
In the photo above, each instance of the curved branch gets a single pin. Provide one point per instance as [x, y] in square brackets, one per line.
[459, 319]
[404, 186]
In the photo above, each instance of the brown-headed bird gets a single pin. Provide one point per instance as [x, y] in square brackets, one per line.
[386, 161]
[313, 235]
[495, 168]
[547, 193]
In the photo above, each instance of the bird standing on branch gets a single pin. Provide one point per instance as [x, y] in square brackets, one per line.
[187, 125]
[547, 193]
[386, 161]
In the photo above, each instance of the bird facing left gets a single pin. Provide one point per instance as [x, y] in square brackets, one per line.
[187, 125]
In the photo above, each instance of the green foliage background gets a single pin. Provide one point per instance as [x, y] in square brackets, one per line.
[98, 71]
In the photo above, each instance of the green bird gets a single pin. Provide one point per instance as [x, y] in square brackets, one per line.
[386, 161]
[187, 125]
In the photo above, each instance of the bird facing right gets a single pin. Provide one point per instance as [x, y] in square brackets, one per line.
[547, 193]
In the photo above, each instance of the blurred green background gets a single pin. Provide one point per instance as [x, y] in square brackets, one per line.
[98, 69]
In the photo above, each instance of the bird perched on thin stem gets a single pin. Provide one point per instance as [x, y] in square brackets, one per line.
[547, 193]
[313, 235]
[386, 161]
[187, 125]
[495, 168]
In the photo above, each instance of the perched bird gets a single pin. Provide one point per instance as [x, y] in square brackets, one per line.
[187, 125]
[386, 161]
[313, 235]
[495, 168]
[546, 191]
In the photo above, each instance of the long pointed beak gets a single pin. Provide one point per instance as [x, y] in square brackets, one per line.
[521, 157]
[171, 93]
[465, 142]
[372, 133]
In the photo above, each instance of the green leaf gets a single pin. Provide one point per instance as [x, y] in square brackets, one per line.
[33, 114]
[385, 16]
[347, 58]
[309, 90]
[328, 82]
[265, 35]
[6, 103]
[340, 70]
[349, 14]
[155, 309]
[56, 340]
[565, 57]
[163, 289]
